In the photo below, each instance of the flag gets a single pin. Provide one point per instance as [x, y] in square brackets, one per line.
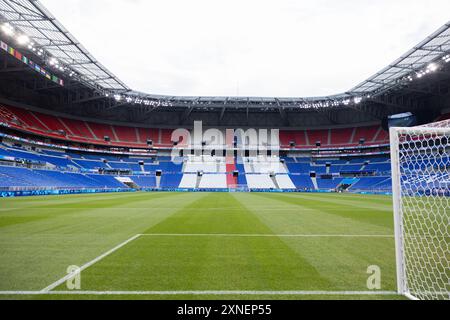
[25, 60]
[4, 46]
[18, 55]
[61, 82]
[11, 51]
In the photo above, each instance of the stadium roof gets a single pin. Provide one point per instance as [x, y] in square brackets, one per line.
[29, 17]
[429, 50]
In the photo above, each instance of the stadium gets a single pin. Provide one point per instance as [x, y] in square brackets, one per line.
[111, 193]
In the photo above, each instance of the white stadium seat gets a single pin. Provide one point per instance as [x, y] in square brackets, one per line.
[213, 181]
[260, 181]
[284, 182]
[188, 181]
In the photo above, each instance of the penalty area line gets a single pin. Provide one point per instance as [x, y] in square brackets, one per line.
[87, 265]
[199, 292]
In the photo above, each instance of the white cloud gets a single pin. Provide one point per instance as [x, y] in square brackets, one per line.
[248, 47]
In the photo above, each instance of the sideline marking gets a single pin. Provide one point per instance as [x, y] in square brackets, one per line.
[194, 292]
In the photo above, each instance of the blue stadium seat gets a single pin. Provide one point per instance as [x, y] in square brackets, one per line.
[302, 181]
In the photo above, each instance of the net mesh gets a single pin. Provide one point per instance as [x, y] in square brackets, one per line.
[424, 163]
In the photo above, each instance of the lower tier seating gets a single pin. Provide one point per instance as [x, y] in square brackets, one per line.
[56, 169]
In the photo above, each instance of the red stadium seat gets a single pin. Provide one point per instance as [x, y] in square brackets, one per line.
[102, 130]
[382, 136]
[50, 122]
[166, 137]
[341, 136]
[366, 133]
[28, 119]
[145, 134]
[126, 134]
[78, 128]
[318, 136]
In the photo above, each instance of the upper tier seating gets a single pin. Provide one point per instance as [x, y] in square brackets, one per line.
[95, 133]
[334, 137]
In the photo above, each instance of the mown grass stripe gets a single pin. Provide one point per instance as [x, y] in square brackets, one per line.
[372, 215]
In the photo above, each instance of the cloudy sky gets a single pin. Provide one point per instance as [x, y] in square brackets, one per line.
[248, 47]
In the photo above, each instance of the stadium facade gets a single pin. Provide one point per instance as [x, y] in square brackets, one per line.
[69, 125]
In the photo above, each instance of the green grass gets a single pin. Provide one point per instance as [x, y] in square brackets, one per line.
[40, 237]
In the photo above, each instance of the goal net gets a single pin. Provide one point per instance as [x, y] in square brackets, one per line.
[421, 192]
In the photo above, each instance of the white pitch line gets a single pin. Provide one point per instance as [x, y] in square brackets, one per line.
[267, 235]
[57, 283]
[87, 265]
[198, 292]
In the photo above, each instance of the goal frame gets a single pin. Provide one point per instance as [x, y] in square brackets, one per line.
[394, 132]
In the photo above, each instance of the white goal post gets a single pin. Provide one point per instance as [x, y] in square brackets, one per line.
[421, 193]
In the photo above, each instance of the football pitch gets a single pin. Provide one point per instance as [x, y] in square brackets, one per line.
[197, 246]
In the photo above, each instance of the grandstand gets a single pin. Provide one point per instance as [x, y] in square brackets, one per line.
[75, 128]
[197, 172]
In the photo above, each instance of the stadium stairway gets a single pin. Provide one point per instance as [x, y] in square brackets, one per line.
[231, 168]
[315, 184]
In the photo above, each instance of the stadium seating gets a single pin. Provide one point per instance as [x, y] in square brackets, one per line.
[171, 180]
[213, 181]
[90, 164]
[77, 169]
[58, 169]
[299, 167]
[188, 181]
[372, 184]
[372, 135]
[379, 167]
[119, 135]
[302, 182]
[284, 182]
[242, 181]
[329, 184]
[126, 134]
[205, 164]
[259, 181]
[22, 177]
[145, 181]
